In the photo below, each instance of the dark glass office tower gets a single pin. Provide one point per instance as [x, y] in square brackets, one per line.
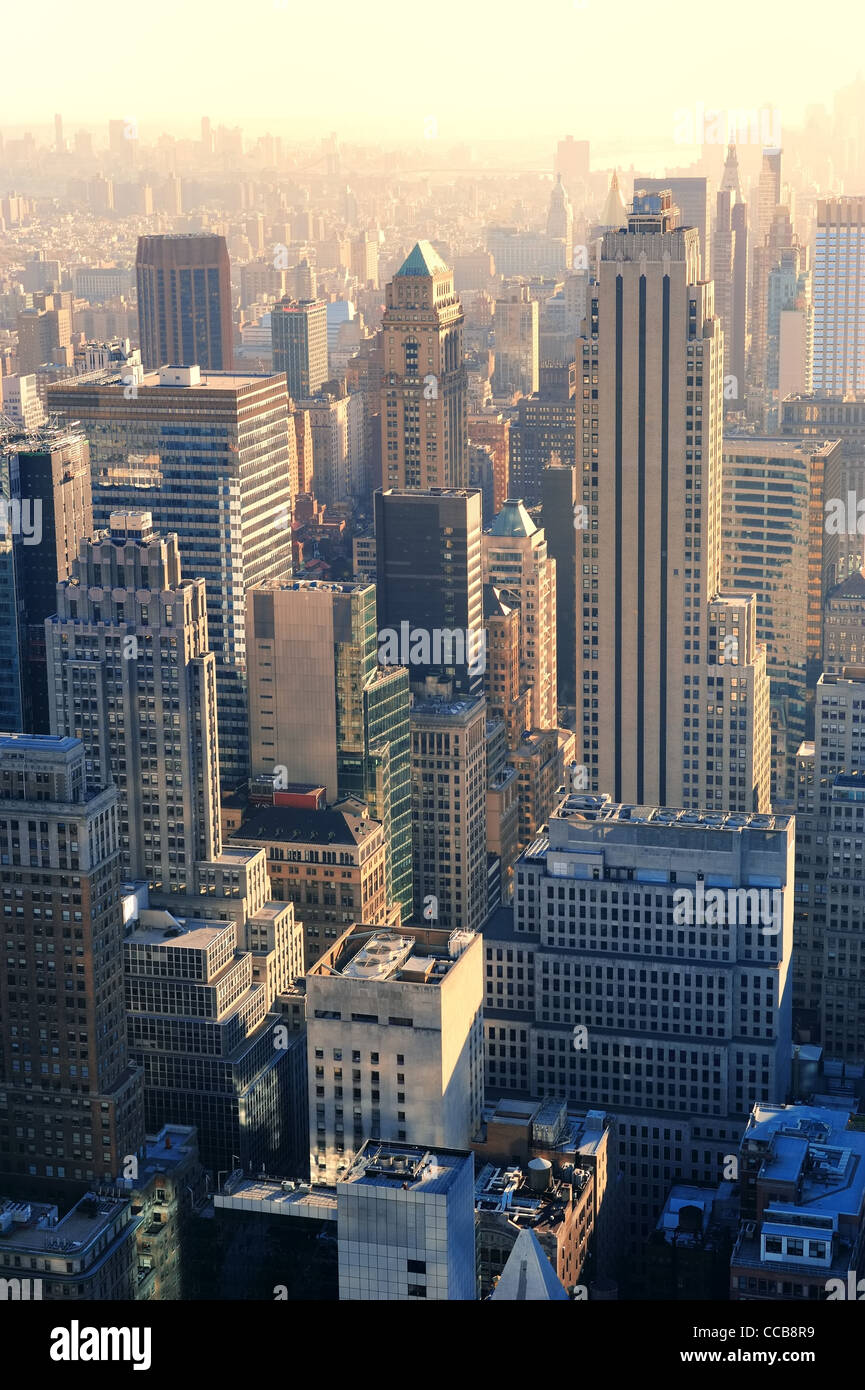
[430, 586]
[184, 301]
[53, 481]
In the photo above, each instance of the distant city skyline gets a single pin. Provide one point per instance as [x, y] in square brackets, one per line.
[559, 92]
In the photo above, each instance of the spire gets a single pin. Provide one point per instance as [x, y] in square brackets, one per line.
[615, 213]
[730, 181]
[528, 1276]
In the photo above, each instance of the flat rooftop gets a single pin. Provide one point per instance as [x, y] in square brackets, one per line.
[278, 1197]
[156, 927]
[36, 1225]
[405, 1166]
[379, 954]
[586, 807]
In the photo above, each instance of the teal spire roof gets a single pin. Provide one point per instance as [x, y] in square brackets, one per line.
[423, 260]
[513, 520]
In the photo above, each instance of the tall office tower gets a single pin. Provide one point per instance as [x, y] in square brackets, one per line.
[515, 557]
[505, 686]
[200, 1026]
[491, 430]
[544, 432]
[774, 542]
[789, 328]
[572, 162]
[430, 585]
[730, 178]
[76, 1117]
[130, 674]
[517, 351]
[364, 259]
[829, 962]
[394, 1021]
[691, 197]
[59, 142]
[44, 333]
[767, 257]
[559, 520]
[208, 458]
[677, 901]
[299, 335]
[768, 194]
[730, 273]
[324, 712]
[184, 301]
[305, 458]
[336, 426]
[650, 457]
[560, 219]
[423, 439]
[19, 401]
[52, 472]
[839, 313]
[406, 1225]
[449, 816]
[844, 623]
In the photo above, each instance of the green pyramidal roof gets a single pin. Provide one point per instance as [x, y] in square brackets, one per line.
[423, 260]
[513, 520]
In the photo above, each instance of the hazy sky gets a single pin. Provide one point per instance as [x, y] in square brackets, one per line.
[518, 69]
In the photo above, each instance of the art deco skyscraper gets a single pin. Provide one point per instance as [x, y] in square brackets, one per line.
[839, 296]
[560, 219]
[423, 442]
[184, 301]
[515, 558]
[653, 669]
[71, 1107]
[130, 674]
[208, 457]
[730, 273]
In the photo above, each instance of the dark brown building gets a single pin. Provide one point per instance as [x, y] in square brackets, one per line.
[71, 1107]
[184, 302]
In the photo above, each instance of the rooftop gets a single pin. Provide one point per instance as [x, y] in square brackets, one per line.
[513, 520]
[38, 1226]
[423, 260]
[589, 807]
[528, 1276]
[406, 1167]
[377, 953]
[303, 825]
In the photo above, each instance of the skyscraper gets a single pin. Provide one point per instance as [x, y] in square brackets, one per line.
[423, 440]
[774, 541]
[299, 335]
[515, 558]
[208, 458]
[53, 474]
[829, 995]
[394, 1042]
[730, 273]
[517, 352]
[559, 494]
[184, 301]
[72, 1107]
[544, 432]
[839, 291]
[130, 674]
[677, 902]
[323, 711]
[449, 823]
[560, 218]
[650, 463]
[430, 585]
[691, 197]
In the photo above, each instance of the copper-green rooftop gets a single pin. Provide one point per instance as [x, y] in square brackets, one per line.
[423, 260]
[513, 520]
